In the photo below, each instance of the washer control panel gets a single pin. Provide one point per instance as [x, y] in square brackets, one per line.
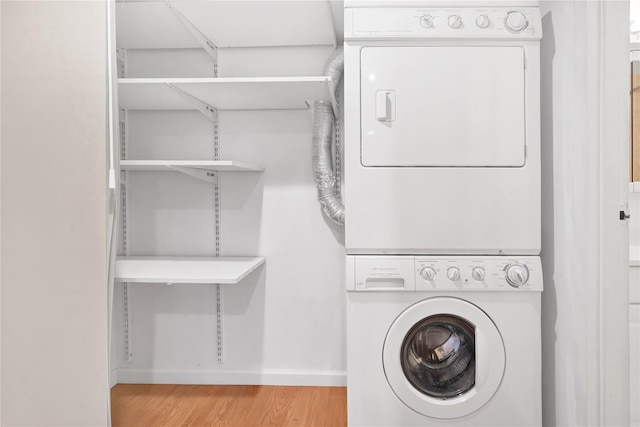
[495, 22]
[441, 273]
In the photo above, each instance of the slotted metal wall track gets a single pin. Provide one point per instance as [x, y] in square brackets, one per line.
[218, 242]
[124, 233]
[337, 160]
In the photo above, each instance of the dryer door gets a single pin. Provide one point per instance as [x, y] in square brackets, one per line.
[444, 357]
[443, 106]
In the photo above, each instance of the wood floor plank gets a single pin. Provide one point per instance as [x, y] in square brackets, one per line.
[231, 408]
[140, 405]
[309, 408]
[186, 403]
[337, 407]
[135, 404]
[212, 400]
[276, 410]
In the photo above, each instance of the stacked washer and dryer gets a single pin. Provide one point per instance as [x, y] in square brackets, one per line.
[442, 192]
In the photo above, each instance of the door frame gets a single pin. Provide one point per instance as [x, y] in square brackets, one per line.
[609, 302]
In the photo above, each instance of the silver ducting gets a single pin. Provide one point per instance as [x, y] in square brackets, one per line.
[322, 148]
[334, 70]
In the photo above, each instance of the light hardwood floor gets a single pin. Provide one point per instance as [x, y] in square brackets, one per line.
[237, 406]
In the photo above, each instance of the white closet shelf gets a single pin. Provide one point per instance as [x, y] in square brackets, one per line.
[240, 93]
[173, 270]
[154, 25]
[206, 165]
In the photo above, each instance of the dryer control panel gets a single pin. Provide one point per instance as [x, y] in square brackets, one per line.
[394, 23]
[440, 273]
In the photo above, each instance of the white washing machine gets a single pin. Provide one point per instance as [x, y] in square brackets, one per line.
[442, 130]
[435, 341]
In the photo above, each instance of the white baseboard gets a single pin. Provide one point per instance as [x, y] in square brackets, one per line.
[266, 377]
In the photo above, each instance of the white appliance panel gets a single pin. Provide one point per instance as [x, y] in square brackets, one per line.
[372, 402]
[407, 23]
[390, 273]
[506, 334]
[432, 273]
[443, 106]
[461, 184]
[442, 210]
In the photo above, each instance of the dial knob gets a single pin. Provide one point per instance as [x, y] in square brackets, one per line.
[517, 275]
[515, 21]
[478, 274]
[426, 21]
[455, 21]
[428, 273]
[483, 21]
[453, 273]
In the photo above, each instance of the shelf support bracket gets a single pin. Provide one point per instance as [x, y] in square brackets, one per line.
[206, 44]
[209, 112]
[218, 232]
[333, 24]
[202, 174]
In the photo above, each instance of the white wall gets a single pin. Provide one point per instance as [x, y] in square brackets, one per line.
[54, 296]
[572, 163]
[563, 302]
[0, 220]
[283, 324]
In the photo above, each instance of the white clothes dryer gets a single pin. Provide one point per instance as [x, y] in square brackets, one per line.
[435, 341]
[442, 130]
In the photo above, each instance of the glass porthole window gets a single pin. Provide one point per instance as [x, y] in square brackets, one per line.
[438, 356]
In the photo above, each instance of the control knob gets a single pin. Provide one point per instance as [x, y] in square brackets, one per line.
[515, 21]
[453, 273]
[428, 273]
[516, 274]
[478, 274]
[455, 21]
[483, 21]
[426, 21]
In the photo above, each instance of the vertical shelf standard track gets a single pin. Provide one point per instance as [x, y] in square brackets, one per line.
[218, 242]
[125, 244]
[337, 159]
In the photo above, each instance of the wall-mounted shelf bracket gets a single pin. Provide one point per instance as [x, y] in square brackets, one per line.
[206, 44]
[333, 24]
[209, 112]
[204, 175]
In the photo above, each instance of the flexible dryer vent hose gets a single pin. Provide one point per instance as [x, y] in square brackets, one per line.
[323, 130]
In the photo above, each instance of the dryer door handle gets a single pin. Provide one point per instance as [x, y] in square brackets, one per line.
[385, 105]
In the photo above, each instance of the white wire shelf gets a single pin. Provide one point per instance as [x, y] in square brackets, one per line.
[240, 93]
[175, 270]
[206, 165]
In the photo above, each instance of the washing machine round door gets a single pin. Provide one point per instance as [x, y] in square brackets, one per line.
[444, 357]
